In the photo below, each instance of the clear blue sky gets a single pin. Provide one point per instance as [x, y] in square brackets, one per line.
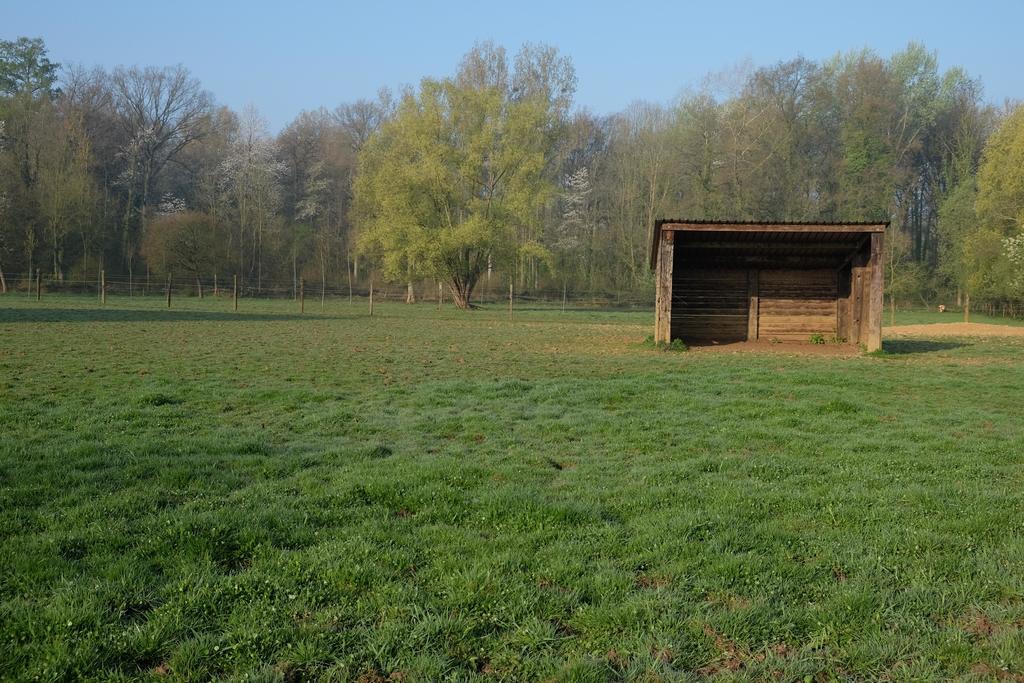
[284, 57]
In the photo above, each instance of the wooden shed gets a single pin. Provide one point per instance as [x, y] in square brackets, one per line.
[722, 281]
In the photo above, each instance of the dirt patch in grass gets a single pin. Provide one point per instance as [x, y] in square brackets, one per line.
[652, 581]
[978, 624]
[990, 672]
[955, 330]
[731, 657]
[787, 347]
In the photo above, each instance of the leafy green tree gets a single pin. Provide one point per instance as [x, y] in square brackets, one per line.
[445, 184]
[1001, 177]
[25, 68]
[957, 224]
[1000, 204]
[973, 251]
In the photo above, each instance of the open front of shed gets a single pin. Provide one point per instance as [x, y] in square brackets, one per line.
[720, 282]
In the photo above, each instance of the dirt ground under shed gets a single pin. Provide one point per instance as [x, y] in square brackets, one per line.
[793, 347]
[953, 330]
[930, 330]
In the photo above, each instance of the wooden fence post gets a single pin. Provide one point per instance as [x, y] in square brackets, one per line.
[302, 295]
[39, 282]
[215, 285]
[663, 284]
[234, 292]
[371, 297]
[103, 286]
[510, 299]
[440, 295]
[168, 290]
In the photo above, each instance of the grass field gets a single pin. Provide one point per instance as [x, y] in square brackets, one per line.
[195, 494]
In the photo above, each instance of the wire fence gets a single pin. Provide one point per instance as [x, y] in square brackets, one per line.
[1000, 308]
[488, 293]
[493, 292]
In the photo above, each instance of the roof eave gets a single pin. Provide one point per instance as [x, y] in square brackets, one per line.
[685, 225]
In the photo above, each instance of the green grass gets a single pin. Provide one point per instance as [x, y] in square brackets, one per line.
[429, 495]
[917, 316]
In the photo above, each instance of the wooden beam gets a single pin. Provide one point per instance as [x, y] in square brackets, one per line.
[771, 227]
[856, 303]
[766, 261]
[663, 296]
[875, 288]
[753, 285]
[853, 254]
[838, 247]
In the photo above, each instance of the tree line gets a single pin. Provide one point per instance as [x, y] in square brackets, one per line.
[495, 174]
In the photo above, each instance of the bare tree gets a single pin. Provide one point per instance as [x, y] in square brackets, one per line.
[250, 177]
[358, 120]
[161, 111]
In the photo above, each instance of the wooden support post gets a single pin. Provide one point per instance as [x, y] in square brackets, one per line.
[510, 299]
[753, 294]
[876, 287]
[663, 293]
[234, 291]
[840, 320]
[215, 285]
[371, 297]
[302, 295]
[39, 282]
[168, 290]
[967, 307]
[103, 286]
[440, 295]
[857, 304]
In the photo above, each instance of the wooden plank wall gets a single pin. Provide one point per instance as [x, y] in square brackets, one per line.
[873, 337]
[796, 304]
[663, 293]
[710, 304]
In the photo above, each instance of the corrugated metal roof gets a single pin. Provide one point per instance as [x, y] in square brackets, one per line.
[767, 225]
[702, 221]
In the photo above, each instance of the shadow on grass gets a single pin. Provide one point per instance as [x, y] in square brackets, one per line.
[898, 347]
[555, 308]
[117, 315]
